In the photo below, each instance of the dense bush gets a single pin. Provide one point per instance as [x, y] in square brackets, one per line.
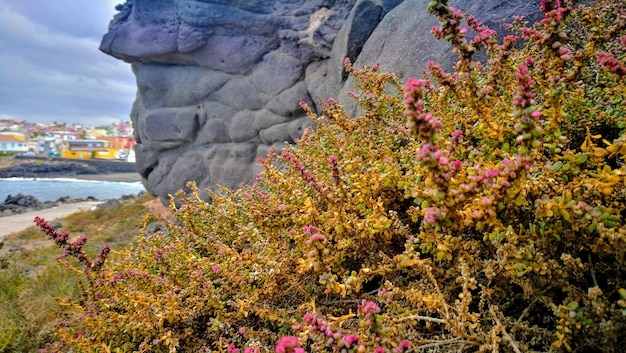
[479, 211]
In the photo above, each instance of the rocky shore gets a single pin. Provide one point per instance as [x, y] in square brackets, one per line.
[20, 203]
[56, 168]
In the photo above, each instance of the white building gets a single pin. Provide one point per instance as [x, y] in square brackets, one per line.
[12, 143]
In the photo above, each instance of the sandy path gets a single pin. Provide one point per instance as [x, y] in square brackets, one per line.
[19, 222]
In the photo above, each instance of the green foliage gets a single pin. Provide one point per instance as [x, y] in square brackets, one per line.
[29, 306]
[8, 155]
[482, 211]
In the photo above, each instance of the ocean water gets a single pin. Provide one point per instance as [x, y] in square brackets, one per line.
[52, 189]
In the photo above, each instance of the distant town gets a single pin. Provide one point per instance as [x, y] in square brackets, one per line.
[114, 141]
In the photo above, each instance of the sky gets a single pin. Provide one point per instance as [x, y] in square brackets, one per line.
[51, 69]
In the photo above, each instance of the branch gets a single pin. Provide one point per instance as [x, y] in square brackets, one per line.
[507, 337]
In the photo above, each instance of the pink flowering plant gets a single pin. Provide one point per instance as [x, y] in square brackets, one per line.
[477, 210]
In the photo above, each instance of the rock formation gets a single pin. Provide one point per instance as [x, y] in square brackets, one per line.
[219, 81]
[20, 203]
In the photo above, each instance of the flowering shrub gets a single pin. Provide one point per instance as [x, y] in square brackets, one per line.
[480, 210]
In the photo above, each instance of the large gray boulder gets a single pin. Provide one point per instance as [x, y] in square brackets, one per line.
[219, 81]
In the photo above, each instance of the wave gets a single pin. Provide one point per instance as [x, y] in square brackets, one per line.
[51, 189]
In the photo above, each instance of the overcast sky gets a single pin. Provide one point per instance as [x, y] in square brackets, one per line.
[51, 68]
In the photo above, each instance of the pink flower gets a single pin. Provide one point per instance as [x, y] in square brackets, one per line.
[431, 215]
[456, 135]
[288, 344]
[315, 237]
[610, 63]
[490, 173]
[349, 340]
[403, 346]
[413, 84]
[368, 308]
[308, 318]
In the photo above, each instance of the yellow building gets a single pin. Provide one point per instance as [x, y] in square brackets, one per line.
[88, 149]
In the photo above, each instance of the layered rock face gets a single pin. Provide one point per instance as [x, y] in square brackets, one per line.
[219, 81]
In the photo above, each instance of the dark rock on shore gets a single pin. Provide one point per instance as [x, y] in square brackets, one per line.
[40, 170]
[20, 203]
[57, 168]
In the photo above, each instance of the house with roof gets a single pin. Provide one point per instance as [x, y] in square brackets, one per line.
[12, 143]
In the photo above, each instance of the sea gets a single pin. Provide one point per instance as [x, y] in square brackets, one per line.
[45, 189]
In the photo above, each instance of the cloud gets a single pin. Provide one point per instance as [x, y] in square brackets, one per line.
[51, 68]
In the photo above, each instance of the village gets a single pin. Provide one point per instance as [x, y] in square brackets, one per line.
[73, 141]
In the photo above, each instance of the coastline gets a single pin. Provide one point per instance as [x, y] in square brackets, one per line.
[19, 221]
[99, 170]
[81, 169]
[22, 218]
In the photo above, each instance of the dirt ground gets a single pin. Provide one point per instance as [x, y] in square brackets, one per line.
[156, 208]
[6, 162]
